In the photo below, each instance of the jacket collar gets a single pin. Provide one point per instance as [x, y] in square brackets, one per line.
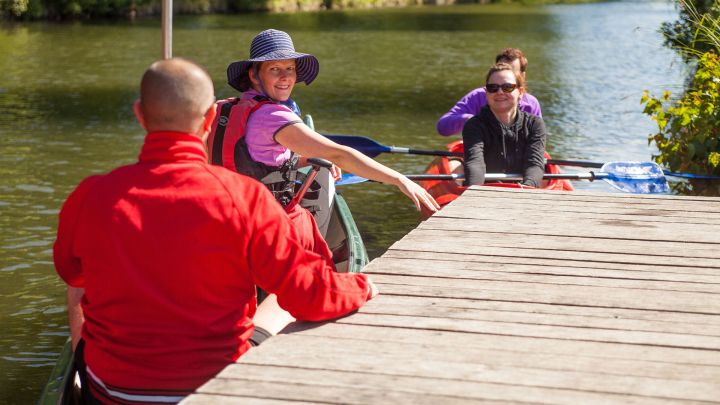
[168, 146]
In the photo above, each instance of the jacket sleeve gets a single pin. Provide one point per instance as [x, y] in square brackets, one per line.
[533, 105]
[305, 283]
[67, 265]
[473, 140]
[452, 121]
[534, 165]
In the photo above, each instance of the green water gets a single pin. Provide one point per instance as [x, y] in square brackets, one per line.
[66, 93]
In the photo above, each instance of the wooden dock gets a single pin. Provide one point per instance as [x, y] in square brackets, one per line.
[511, 296]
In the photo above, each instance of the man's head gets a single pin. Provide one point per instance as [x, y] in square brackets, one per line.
[515, 58]
[176, 95]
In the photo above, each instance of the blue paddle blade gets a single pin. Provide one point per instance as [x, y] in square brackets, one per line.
[635, 177]
[361, 143]
[349, 178]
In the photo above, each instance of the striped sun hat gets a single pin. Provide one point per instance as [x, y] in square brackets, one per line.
[273, 45]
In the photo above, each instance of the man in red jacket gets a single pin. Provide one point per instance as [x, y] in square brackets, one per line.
[162, 257]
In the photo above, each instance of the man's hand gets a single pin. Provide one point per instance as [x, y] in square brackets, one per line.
[75, 313]
[270, 317]
[373, 289]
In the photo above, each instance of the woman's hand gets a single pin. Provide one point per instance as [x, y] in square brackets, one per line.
[336, 172]
[419, 196]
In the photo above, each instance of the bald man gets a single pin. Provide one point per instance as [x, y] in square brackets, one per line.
[162, 257]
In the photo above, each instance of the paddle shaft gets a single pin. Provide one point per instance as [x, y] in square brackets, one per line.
[411, 151]
[511, 177]
[372, 148]
[559, 162]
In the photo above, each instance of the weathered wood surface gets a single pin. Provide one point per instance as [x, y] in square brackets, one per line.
[511, 296]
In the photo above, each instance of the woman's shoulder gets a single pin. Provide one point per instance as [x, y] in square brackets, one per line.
[533, 123]
[277, 112]
[480, 121]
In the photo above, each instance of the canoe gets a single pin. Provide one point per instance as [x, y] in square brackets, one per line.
[445, 191]
[349, 255]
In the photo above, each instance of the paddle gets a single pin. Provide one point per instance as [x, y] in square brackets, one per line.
[317, 164]
[372, 149]
[630, 177]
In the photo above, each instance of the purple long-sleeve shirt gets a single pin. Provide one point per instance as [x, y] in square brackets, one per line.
[452, 122]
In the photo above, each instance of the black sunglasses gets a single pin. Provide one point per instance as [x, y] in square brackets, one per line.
[506, 87]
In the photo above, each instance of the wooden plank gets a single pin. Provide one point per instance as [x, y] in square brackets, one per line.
[416, 388]
[614, 318]
[459, 341]
[422, 242]
[598, 269]
[691, 302]
[396, 355]
[319, 391]
[709, 343]
[224, 399]
[479, 208]
[584, 195]
[538, 275]
[508, 368]
[492, 235]
[695, 239]
[421, 306]
[670, 211]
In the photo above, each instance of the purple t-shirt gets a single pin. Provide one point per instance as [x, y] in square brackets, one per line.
[452, 122]
[262, 126]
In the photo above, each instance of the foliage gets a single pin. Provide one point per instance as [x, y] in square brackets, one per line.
[696, 30]
[21, 8]
[689, 127]
[90, 9]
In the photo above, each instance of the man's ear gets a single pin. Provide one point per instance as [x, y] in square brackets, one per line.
[137, 109]
[207, 122]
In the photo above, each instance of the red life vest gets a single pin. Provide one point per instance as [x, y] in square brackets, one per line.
[228, 148]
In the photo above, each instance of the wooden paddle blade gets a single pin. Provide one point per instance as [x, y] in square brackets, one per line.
[636, 177]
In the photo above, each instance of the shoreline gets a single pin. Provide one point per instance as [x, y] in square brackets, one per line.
[18, 10]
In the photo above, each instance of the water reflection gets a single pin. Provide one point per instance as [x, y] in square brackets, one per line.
[66, 94]
[603, 65]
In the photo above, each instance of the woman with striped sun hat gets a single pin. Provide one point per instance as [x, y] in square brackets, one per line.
[262, 133]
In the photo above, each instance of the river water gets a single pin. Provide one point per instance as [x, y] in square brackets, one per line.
[66, 92]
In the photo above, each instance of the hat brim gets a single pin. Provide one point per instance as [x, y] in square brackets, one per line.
[306, 66]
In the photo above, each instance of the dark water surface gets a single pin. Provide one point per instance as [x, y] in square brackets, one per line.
[66, 93]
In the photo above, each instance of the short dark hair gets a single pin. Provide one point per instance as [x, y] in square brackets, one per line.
[508, 55]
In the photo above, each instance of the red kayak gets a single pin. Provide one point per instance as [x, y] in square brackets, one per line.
[445, 191]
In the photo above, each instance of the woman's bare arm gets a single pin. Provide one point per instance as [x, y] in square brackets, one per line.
[301, 139]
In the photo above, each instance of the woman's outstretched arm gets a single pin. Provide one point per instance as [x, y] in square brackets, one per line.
[301, 139]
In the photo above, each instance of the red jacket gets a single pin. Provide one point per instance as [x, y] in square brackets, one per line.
[169, 251]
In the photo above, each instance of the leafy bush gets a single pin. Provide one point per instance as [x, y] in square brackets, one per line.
[14, 8]
[689, 127]
[696, 31]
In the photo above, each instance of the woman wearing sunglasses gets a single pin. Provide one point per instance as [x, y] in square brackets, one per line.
[452, 122]
[501, 138]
